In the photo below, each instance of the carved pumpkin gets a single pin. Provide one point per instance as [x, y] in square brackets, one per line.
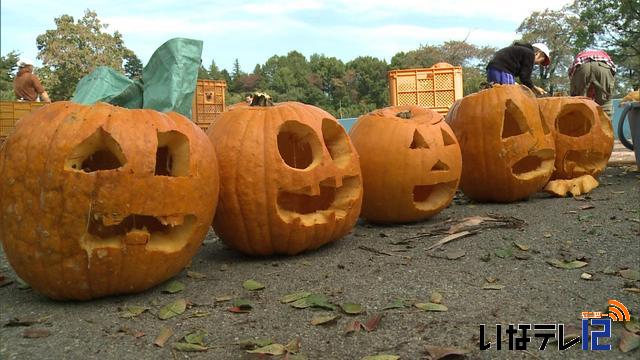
[290, 178]
[583, 135]
[410, 161]
[507, 150]
[99, 200]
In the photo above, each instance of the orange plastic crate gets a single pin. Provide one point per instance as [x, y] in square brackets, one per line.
[208, 101]
[11, 112]
[437, 87]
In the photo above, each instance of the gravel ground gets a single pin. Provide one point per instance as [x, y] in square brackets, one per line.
[373, 266]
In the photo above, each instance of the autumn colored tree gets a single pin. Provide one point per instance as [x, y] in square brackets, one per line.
[75, 48]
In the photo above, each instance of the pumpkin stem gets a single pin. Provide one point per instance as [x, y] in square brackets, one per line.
[261, 99]
[404, 114]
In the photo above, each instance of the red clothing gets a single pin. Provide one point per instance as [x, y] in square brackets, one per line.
[27, 86]
[591, 55]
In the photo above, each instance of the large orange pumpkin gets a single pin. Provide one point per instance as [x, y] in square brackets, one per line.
[290, 178]
[99, 200]
[507, 150]
[410, 162]
[583, 135]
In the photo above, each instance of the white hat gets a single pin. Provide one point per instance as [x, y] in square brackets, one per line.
[24, 62]
[545, 50]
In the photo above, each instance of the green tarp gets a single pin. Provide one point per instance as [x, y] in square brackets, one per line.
[168, 81]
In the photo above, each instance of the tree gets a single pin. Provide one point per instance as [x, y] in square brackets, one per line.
[214, 72]
[8, 66]
[613, 25]
[74, 49]
[132, 66]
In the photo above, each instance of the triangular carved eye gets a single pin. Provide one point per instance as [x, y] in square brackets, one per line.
[418, 141]
[98, 152]
[514, 122]
[446, 138]
[440, 166]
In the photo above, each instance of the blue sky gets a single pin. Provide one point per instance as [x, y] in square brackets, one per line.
[253, 31]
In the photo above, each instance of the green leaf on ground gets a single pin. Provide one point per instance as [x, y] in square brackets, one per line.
[352, 308]
[172, 309]
[187, 347]
[323, 319]
[430, 307]
[504, 252]
[240, 306]
[289, 298]
[273, 350]
[313, 300]
[396, 304]
[630, 274]
[196, 337]
[561, 264]
[132, 311]
[173, 287]
[252, 285]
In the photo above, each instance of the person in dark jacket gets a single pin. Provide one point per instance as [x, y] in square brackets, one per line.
[518, 60]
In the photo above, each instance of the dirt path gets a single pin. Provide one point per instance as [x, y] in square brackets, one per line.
[375, 267]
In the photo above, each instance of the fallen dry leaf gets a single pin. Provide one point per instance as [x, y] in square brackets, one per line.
[628, 341]
[449, 238]
[35, 333]
[372, 323]
[163, 336]
[439, 352]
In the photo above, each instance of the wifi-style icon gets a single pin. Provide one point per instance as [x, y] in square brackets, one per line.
[618, 312]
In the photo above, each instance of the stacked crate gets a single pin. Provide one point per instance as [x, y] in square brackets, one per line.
[11, 112]
[437, 87]
[208, 101]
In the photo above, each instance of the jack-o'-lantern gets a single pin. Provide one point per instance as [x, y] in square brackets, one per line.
[99, 200]
[583, 135]
[410, 161]
[507, 150]
[289, 178]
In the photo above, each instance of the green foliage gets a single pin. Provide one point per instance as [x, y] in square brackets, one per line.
[74, 49]
[132, 66]
[8, 67]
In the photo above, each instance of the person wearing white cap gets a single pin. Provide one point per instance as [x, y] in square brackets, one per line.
[518, 60]
[26, 85]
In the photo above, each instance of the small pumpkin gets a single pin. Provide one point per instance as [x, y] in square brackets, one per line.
[507, 150]
[290, 178]
[410, 161]
[583, 135]
[100, 200]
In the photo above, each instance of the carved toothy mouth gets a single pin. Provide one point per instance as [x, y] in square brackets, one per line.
[537, 163]
[313, 205]
[166, 233]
